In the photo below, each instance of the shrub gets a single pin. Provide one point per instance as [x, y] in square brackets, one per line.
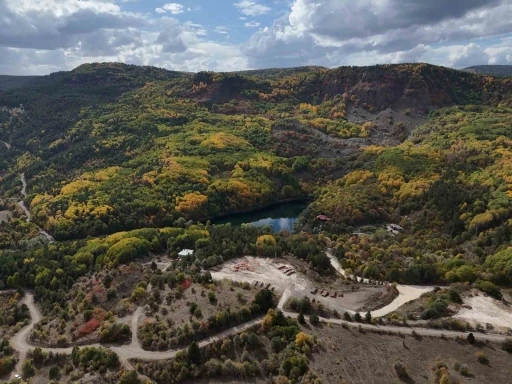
[314, 319]
[507, 345]
[471, 338]
[482, 358]
[401, 371]
[463, 369]
[88, 328]
[54, 373]
[347, 316]
[489, 288]
[27, 368]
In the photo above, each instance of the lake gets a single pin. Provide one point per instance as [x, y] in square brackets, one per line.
[278, 216]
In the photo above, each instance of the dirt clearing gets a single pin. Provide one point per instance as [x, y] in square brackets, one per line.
[338, 294]
[486, 310]
[352, 357]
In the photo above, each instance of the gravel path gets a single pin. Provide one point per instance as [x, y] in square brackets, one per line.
[133, 350]
[406, 293]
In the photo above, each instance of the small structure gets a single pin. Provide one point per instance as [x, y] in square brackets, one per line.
[185, 252]
[334, 294]
[394, 228]
[325, 294]
[322, 217]
[314, 291]
[268, 286]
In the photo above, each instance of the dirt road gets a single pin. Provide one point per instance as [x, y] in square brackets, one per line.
[19, 342]
[406, 293]
[133, 350]
[24, 208]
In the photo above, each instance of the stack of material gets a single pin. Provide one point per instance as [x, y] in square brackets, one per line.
[242, 267]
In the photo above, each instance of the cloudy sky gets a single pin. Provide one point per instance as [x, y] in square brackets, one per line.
[43, 36]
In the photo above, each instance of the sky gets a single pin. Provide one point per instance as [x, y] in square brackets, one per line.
[38, 37]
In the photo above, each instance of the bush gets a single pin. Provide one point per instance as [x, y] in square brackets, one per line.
[347, 316]
[489, 288]
[401, 371]
[314, 320]
[482, 358]
[28, 369]
[471, 338]
[463, 369]
[54, 373]
[507, 345]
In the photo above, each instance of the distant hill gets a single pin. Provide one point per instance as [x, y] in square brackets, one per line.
[12, 82]
[494, 70]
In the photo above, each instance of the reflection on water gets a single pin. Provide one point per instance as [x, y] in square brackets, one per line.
[279, 216]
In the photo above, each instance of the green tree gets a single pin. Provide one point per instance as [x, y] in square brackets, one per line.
[129, 377]
[28, 369]
[54, 373]
[194, 353]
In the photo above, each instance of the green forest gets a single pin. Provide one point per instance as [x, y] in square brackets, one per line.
[123, 160]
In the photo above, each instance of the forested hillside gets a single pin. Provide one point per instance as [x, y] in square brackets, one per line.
[112, 147]
[492, 70]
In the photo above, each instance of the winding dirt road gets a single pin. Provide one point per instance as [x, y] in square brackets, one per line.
[406, 293]
[20, 343]
[22, 205]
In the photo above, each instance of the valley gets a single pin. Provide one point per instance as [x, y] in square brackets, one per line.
[185, 226]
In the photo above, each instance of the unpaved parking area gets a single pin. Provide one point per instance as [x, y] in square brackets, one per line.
[484, 310]
[251, 269]
[262, 270]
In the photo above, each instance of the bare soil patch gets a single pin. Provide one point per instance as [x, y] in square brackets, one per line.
[482, 309]
[352, 357]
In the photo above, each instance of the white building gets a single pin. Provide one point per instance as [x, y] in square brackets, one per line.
[186, 252]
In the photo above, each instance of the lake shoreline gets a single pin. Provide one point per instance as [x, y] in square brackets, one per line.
[280, 215]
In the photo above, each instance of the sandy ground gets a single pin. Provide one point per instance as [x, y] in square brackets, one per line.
[484, 310]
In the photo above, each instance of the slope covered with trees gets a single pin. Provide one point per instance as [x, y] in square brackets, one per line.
[110, 147]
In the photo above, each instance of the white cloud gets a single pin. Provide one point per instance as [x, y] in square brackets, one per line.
[52, 24]
[252, 8]
[40, 36]
[172, 8]
[316, 31]
[252, 24]
[222, 31]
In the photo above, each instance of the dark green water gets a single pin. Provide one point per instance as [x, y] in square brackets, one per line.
[279, 216]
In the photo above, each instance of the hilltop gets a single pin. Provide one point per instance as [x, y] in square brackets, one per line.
[493, 70]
